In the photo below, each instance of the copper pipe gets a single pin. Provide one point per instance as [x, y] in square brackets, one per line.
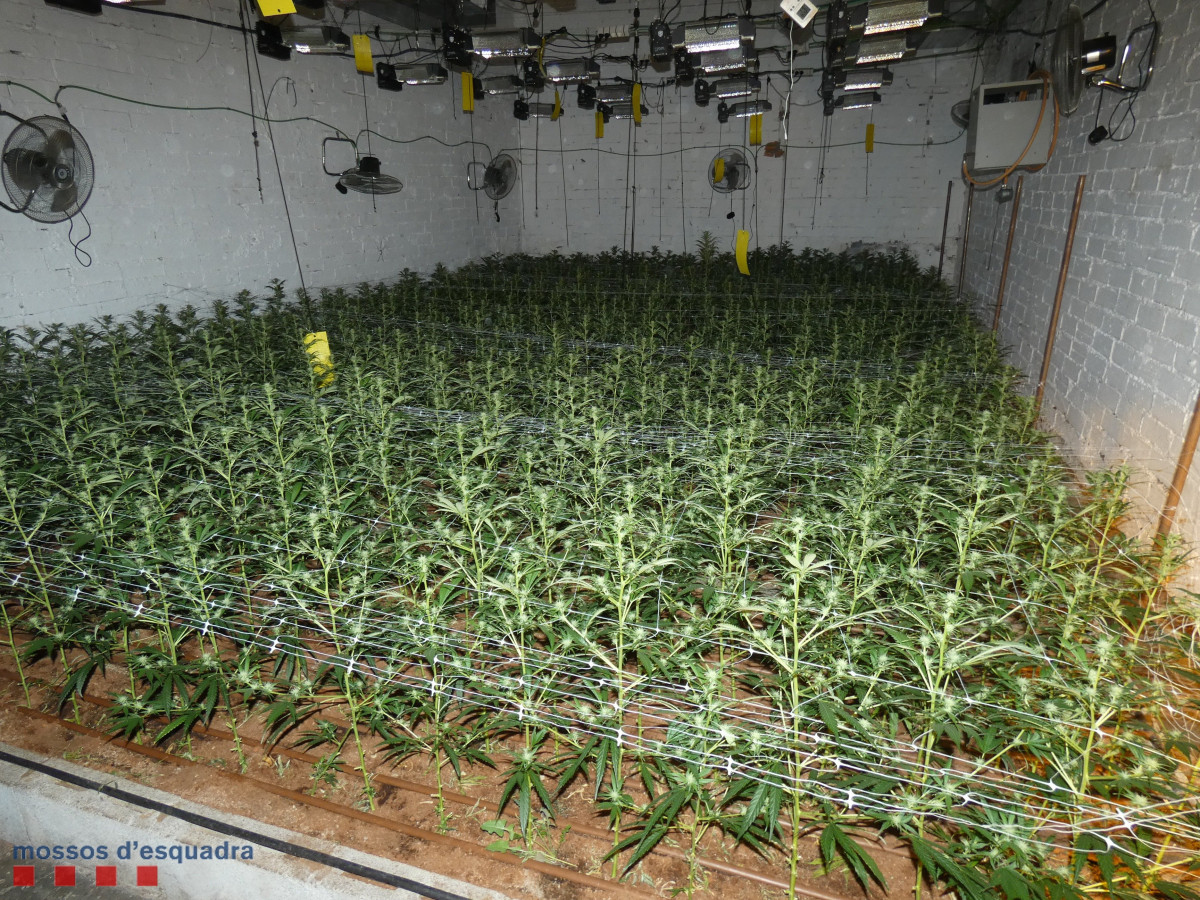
[945, 227]
[1012, 231]
[1167, 520]
[1058, 295]
[962, 262]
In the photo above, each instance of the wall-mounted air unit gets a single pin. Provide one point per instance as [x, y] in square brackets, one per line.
[1008, 120]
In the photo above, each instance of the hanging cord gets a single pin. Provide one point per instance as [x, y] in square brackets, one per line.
[787, 118]
[279, 172]
[77, 245]
[250, 90]
[367, 113]
[562, 162]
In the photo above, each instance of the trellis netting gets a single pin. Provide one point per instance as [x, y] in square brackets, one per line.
[771, 557]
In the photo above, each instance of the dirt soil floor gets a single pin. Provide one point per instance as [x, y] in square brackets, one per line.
[278, 786]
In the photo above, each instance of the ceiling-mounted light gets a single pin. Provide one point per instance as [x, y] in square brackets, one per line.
[862, 100]
[315, 39]
[741, 110]
[571, 71]
[623, 110]
[508, 44]
[420, 73]
[729, 88]
[609, 94]
[726, 62]
[524, 110]
[880, 49]
[498, 84]
[882, 16]
[705, 38]
[863, 79]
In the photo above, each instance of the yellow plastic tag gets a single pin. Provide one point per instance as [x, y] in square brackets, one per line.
[870, 137]
[468, 92]
[599, 124]
[557, 111]
[718, 172]
[743, 245]
[317, 345]
[637, 104]
[363, 61]
[276, 7]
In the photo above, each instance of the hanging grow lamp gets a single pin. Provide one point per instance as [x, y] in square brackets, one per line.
[883, 16]
[863, 79]
[571, 71]
[707, 38]
[393, 78]
[741, 110]
[315, 39]
[726, 62]
[881, 49]
[510, 44]
[498, 84]
[621, 110]
[858, 100]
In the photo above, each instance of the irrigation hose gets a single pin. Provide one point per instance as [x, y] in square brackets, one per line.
[1047, 92]
[235, 831]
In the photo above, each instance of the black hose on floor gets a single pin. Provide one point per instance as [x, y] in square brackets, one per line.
[262, 840]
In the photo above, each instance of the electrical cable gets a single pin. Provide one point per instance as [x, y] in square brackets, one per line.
[250, 92]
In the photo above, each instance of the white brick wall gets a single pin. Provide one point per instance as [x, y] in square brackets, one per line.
[176, 212]
[898, 193]
[1124, 376]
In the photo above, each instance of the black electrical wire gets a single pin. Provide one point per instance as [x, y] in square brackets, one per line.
[235, 831]
[250, 88]
[279, 172]
[147, 11]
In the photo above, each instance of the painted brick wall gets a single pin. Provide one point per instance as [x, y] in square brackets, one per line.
[657, 177]
[1124, 372]
[176, 214]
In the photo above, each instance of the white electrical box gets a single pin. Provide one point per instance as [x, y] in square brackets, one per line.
[1003, 119]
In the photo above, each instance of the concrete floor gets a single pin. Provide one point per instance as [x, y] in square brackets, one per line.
[39, 810]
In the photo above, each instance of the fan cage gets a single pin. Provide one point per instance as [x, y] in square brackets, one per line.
[32, 137]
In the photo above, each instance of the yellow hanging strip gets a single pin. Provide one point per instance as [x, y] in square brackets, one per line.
[743, 245]
[599, 124]
[756, 129]
[468, 92]
[870, 141]
[276, 7]
[317, 345]
[718, 172]
[557, 111]
[637, 103]
[363, 61]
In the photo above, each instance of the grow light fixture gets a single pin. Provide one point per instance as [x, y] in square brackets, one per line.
[863, 79]
[571, 71]
[707, 38]
[393, 78]
[741, 110]
[315, 39]
[881, 49]
[726, 62]
[726, 88]
[523, 110]
[498, 84]
[457, 46]
[511, 44]
[858, 100]
[883, 16]
[622, 110]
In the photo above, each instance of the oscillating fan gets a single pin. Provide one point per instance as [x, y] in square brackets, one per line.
[729, 171]
[47, 169]
[1066, 62]
[366, 177]
[499, 178]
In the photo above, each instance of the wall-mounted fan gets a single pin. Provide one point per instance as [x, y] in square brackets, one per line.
[1073, 59]
[729, 171]
[47, 169]
[365, 176]
[498, 179]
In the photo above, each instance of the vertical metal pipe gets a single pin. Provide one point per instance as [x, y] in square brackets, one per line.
[962, 262]
[1167, 520]
[945, 227]
[1058, 295]
[1012, 230]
